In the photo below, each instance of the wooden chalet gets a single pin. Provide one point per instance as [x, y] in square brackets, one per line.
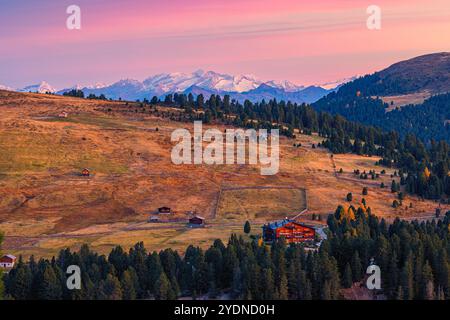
[290, 230]
[196, 221]
[7, 261]
[164, 210]
[85, 172]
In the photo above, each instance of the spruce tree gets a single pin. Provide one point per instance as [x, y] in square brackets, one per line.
[162, 287]
[47, 283]
[128, 286]
[247, 227]
[356, 265]
[347, 280]
[110, 288]
[428, 282]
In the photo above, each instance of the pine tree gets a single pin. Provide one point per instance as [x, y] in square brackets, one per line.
[162, 287]
[267, 284]
[427, 282]
[347, 280]
[283, 288]
[48, 285]
[365, 191]
[247, 227]
[128, 286]
[407, 279]
[356, 265]
[20, 281]
[111, 289]
[236, 287]
[394, 187]
[349, 197]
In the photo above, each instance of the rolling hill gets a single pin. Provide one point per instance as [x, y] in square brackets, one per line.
[46, 205]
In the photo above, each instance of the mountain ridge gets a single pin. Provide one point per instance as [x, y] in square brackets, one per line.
[239, 87]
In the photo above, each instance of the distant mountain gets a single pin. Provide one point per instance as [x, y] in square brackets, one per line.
[178, 82]
[2, 87]
[42, 87]
[264, 91]
[371, 99]
[239, 87]
[333, 85]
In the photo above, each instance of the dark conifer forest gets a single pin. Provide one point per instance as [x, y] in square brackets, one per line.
[413, 257]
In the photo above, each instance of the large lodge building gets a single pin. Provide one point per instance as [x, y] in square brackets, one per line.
[291, 231]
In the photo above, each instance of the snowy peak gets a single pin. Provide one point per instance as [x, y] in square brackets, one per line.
[178, 82]
[2, 87]
[285, 85]
[335, 84]
[42, 87]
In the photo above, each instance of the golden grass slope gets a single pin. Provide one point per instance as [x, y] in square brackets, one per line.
[45, 204]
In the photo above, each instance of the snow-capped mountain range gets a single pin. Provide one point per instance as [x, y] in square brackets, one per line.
[239, 87]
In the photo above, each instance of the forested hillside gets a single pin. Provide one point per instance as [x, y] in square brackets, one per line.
[424, 73]
[360, 101]
[427, 121]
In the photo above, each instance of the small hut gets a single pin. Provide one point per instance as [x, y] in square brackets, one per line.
[85, 172]
[153, 219]
[164, 210]
[196, 222]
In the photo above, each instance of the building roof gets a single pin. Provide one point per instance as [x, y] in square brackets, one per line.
[10, 256]
[198, 217]
[281, 223]
[277, 224]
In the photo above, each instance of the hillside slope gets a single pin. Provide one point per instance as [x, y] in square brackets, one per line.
[429, 73]
[46, 205]
[419, 86]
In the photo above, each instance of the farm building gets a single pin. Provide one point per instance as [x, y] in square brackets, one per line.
[196, 222]
[7, 261]
[63, 114]
[153, 219]
[85, 172]
[164, 210]
[292, 231]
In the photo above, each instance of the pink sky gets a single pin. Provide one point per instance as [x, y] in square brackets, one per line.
[305, 42]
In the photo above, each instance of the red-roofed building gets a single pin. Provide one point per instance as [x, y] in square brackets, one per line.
[292, 231]
[7, 261]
